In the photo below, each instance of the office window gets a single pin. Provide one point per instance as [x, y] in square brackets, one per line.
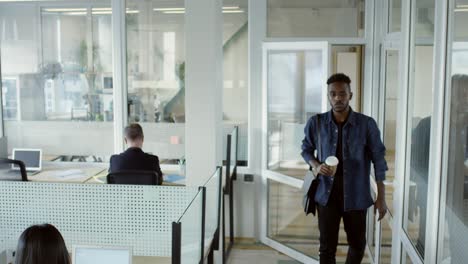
[235, 73]
[156, 74]
[57, 70]
[419, 116]
[295, 81]
[77, 66]
[286, 18]
[156, 61]
[454, 233]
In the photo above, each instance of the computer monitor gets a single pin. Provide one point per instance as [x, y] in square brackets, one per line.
[101, 255]
[32, 158]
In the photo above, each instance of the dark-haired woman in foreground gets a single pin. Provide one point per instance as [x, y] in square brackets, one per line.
[42, 244]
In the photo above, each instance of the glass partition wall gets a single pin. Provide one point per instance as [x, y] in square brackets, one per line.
[61, 90]
[453, 235]
[295, 76]
[420, 97]
[155, 33]
[236, 72]
[64, 85]
[57, 78]
[434, 207]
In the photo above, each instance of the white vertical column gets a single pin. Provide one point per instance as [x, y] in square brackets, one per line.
[257, 33]
[119, 76]
[203, 89]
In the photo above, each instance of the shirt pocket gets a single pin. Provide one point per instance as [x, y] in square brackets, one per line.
[357, 147]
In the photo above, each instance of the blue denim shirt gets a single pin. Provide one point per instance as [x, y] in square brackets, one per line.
[361, 145]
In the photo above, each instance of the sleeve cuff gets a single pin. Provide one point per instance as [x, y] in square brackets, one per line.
[307, 157]
[380, 176]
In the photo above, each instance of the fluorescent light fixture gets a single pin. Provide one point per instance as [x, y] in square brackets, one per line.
[102, 12]
[230, 7]
[233, 11]
[75, 13]
[102, 9]
[64, 9]
[110, 12]
[169, 9]
[224, 11]
[461, 10]
[174, 12]
[462, 6]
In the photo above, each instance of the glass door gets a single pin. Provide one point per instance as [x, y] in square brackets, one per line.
[390, 97]
[294, 89]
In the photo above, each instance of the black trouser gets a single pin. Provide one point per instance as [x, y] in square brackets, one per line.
[329, 218]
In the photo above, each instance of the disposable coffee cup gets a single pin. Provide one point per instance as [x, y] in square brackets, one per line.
[332, 162]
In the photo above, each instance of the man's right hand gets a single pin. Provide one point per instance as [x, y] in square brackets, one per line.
[325, 170]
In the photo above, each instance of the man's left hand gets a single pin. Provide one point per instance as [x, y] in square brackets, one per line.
[381, 206]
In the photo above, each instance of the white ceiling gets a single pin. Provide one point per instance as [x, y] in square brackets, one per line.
[313, 3]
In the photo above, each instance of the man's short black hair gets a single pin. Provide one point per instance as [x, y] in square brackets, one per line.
[339, 77]
[133, 131]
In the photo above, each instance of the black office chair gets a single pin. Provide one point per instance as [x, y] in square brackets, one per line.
[135, 177]
[7, 173]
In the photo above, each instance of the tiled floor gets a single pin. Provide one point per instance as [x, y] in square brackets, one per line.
[248, 251]
[289, 225]
[244, 256]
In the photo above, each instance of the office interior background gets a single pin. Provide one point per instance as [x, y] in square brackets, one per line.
[74, 73]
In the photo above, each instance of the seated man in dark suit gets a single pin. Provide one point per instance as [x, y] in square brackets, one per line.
[134, 158]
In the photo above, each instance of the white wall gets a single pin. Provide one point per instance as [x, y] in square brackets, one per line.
[245, 213]
[317, 22]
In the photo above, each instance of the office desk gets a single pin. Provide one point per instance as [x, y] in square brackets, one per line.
[92, 173]
[151, 260]
[100, 178]
[72, 172]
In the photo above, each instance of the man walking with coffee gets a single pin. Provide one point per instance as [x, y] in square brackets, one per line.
[349, 142]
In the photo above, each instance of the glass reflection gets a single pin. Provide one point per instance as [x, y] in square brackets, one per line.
[294, 94]
[420, 113]
[235, 72]
[288, 224]
[64, 77]
[155, 61]
[455, 232]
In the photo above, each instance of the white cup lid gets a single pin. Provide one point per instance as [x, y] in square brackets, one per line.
[332, 161]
